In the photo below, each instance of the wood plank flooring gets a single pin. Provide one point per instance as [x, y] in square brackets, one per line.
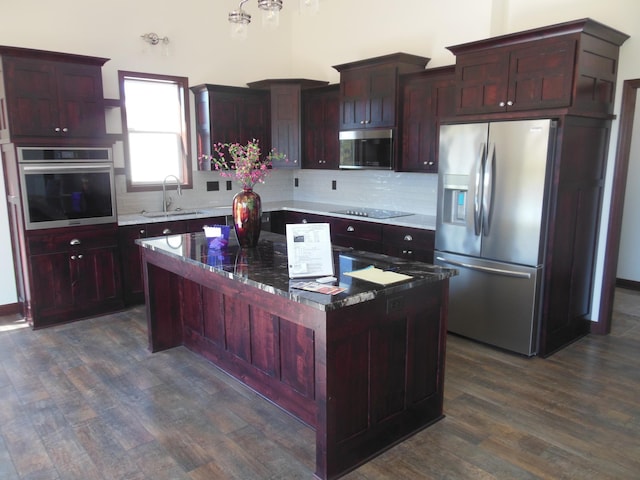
[88, 401]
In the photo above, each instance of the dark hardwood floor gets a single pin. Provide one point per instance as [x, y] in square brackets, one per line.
[88, 401]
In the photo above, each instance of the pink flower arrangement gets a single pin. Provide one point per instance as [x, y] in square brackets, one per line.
[245, 165]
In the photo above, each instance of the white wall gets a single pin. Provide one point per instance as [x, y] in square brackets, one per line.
[343, 31]
[629, 259]
[8, 293]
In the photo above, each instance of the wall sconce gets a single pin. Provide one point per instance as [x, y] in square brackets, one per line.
[155, 39]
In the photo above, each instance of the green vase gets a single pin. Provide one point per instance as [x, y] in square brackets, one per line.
[247, 217]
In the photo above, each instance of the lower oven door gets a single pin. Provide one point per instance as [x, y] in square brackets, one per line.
[67, 194]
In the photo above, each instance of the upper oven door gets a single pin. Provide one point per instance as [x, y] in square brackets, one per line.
[67, 194]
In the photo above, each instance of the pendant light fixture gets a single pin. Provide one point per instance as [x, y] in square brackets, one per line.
[239, 20]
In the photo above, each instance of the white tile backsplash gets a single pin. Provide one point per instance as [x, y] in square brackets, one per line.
[410, 192]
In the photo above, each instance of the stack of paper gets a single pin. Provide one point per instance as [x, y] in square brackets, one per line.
[376, 275]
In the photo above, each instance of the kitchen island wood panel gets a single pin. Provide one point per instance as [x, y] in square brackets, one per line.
[364, 368]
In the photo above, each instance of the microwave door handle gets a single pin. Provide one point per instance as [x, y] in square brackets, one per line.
[487, 189]
[477, 206]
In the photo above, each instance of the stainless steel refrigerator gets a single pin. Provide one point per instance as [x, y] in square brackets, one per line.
[491, 226]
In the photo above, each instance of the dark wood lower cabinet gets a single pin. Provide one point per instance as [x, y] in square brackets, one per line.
[74, 273]
[404, 242]
[364, 376]
[410, 243]
[132, 281]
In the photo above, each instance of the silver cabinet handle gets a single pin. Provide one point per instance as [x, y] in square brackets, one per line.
[502, 104]
[75, 241]
[304, 220]
[509, 103]
[73, 257]
[166, 231]
[57, 129]
[350, 229]
[408, 238]
[80, 256]
[142, 232]
[65, 129]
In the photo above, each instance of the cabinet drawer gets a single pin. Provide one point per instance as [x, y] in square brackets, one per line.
[357, 229]
[410, 243]
[409, 237]
[166, 228]
[61, 239]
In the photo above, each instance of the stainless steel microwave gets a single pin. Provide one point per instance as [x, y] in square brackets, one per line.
[366, 148]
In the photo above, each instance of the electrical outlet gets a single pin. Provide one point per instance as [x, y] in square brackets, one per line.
[334, 185]
[213, 186]
[229, 185]
[295, 182]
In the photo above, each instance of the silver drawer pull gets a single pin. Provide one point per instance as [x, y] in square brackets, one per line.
[75, 241]
[350, 229]
[166, 231]
[408, 238]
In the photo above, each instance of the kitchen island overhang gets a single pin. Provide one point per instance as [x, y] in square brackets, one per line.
[364, 368]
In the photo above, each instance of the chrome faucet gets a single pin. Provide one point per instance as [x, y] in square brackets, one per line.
[165, 203]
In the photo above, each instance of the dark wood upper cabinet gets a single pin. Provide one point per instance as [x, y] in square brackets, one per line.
[425, 98]
[51, 97]
[228, 115]
[570, 66]
[286, 116]
[369, 89]
[320, 127]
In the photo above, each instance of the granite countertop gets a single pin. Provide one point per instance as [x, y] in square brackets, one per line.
[427, 222]
[265, 267]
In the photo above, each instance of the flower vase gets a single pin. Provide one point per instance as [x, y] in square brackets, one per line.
[247, 217]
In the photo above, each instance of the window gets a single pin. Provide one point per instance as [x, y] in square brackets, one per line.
[155, 118]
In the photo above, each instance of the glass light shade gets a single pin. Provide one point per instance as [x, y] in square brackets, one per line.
[238, 30]
[309, 7]
[271, 18]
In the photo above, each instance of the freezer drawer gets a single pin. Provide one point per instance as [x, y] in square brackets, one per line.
[493, 302]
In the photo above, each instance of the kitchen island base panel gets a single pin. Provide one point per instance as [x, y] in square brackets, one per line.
[365, 376]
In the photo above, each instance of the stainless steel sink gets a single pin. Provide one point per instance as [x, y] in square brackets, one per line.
[172, 213]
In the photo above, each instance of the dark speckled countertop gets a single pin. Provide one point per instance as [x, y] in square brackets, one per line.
[265, 267]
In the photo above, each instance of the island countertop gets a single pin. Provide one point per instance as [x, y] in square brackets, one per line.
[265, 267]
[364, 368]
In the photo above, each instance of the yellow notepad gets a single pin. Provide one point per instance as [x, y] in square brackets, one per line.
[376, 275]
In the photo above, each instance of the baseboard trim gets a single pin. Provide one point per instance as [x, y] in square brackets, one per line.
[628, 284]
[10, 309]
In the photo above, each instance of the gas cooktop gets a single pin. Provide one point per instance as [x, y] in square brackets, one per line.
[372, 213]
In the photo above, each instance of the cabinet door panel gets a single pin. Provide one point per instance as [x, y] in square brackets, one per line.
[353, 106]
[382, 100]
[80, 100]
[540, 76]
[482, 82]
[32, 97]
[51, 281]
[96, 276]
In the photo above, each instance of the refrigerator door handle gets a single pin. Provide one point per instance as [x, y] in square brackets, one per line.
[498, 271]
[487, 189]
[477, 205]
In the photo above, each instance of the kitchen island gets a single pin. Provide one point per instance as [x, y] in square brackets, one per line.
[364, 367]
